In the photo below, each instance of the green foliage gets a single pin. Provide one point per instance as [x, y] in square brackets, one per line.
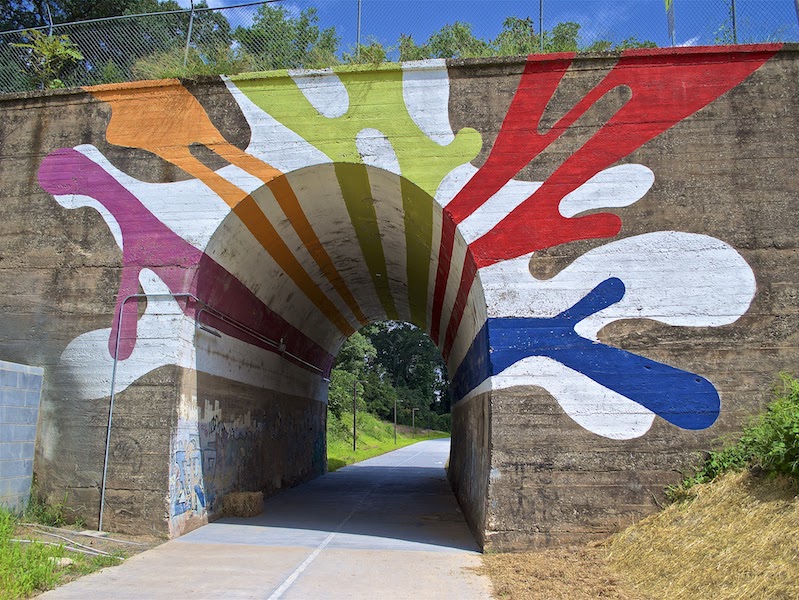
[372, 53]
[217, 60]
[457, 41]
[518, 37]
[769, 442]
[48, 57]
[44, 513]
[394, 364]
[374, 437]
[29, 567]
[340, 395]
[24, 568]
[279, 41]
[772, 440]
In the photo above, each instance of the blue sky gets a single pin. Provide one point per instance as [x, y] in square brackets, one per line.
[697, 21]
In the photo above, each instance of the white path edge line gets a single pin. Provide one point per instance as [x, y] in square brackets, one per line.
[278, 593]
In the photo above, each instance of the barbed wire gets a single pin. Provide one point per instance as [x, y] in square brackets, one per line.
[276, 34]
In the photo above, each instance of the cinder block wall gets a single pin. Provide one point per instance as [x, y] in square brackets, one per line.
[20, 392]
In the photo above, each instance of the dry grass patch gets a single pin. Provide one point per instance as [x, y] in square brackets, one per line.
[738, 538]
[556, 574]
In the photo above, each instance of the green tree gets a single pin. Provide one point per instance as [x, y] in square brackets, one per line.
[518, 37]
[372, 53]
[24, 14]
[457, 41]
[413, 364]
[339, 397]
[280, 41]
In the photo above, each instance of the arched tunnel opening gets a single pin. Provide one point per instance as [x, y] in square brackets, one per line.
[299, 266]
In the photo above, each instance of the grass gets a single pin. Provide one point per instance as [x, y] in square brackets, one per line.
[374, 437]
[24, 568]
[35, 564]
[730, 533]
[736, 539]
[555, 574]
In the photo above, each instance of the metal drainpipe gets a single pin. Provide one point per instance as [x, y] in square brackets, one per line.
[206, 308]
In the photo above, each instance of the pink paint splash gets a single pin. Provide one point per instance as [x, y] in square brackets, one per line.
[149, 244]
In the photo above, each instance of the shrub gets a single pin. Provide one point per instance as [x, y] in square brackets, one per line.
[770, 442]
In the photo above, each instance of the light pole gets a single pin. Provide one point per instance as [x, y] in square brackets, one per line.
[395, 420]
[354, 408]
[413, 420]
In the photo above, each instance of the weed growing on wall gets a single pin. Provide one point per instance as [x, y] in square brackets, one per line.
[770, 442]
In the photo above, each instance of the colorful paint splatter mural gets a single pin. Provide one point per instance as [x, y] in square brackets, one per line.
[369, 156]
[588, 240]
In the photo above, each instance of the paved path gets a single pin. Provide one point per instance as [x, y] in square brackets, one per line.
[388, 528]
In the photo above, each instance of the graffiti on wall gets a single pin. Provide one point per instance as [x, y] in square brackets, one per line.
[210, 456]
[355, 201]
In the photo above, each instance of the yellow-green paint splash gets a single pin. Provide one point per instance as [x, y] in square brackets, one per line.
[375, 101]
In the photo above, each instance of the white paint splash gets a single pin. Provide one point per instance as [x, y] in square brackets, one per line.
[617, 186]
[323, 89]
[454, 182]
[496, 208]
[425, 89]
[590, 404]
[166, 336]
[79, 201]
[376, 150]
[682, 279]
[273, 142]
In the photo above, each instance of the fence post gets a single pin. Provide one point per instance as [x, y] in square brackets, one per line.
[358, 34]
[188, 36]
[49, 19]
[541, 24]
[734, 22]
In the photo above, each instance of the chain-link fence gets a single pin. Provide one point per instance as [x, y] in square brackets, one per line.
[282, 34]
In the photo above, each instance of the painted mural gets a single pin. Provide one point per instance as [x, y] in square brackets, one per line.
[355, 201]
[210, 456]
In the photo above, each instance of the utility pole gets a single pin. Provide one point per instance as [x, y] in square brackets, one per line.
[354, 408]
[413, 420]
[395, 417]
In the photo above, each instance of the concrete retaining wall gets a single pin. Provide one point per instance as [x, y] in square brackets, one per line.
[603, 248]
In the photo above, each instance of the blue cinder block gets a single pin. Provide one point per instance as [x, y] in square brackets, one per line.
[16, 468]
[8, 378]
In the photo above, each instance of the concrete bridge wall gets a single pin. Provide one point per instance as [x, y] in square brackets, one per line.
[603, 248]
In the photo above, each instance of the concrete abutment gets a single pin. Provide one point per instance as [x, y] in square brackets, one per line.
[602, 248]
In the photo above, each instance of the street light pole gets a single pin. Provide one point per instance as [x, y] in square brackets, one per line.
[413, 420]
[354, 408]
[395, 420]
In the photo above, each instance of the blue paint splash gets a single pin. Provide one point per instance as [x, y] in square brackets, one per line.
[681, 398]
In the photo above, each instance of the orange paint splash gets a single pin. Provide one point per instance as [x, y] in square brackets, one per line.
[166, 119]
